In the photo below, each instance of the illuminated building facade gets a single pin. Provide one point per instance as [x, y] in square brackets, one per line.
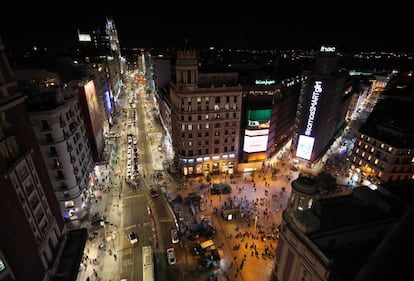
[284, 106]
[267, 119]
[256, 115]
[57, 120]
[384, 149]
[205, 118]
[322, 108]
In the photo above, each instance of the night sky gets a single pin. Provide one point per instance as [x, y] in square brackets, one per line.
[266, 26]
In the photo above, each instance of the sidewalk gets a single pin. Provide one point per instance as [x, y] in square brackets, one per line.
[264, 217]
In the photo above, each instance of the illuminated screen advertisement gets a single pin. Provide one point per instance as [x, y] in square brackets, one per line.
[257, 132]
[84, 37]
[255, 140]
[306, 141]
[305, 147]
[94, 112]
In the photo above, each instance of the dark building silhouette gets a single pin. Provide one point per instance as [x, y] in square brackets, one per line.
[343, 234]
[33, 232]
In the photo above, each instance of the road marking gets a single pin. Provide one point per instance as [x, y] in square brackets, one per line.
[130, 226]
[134, 196]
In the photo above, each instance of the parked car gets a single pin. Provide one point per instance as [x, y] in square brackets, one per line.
[174, 236]
[171, 256]
[133, 238]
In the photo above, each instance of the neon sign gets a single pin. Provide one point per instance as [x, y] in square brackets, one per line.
[317, 90]
[264, 82]
[327, 49]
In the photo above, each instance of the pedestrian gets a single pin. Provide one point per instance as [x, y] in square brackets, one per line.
[115, 256]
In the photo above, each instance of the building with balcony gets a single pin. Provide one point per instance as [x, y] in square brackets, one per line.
[384, 148]
[58, 123]
[205, 118]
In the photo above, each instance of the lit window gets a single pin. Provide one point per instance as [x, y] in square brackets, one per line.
[2, 265]
[310, 203]
[301, 202]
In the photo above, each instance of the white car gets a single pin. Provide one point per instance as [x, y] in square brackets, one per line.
[174, 236]
[171, 256]
[133, 237]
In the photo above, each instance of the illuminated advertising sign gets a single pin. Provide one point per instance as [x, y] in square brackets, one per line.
[84, 37]
[327, 49]
[257, 134]
[265, 82]
[305, 147]
[306, 140]
[93, 108]
[313, 107]
[255, 143]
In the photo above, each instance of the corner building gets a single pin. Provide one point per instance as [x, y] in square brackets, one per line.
[205, 118]
[344, 234]
[322, 107]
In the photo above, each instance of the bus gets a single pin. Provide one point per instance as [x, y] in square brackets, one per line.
[147, 263]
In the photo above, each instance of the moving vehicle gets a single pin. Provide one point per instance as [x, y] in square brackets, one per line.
[133, 238]
[174, 236]
[147, 264]
[154, 193]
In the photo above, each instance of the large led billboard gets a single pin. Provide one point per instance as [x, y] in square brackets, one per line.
[305, 147]
[94, 113]
[255, 140]
[83, 37]
[306, 139]
[257, 132]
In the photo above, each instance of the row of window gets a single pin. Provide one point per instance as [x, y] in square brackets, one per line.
[382, 146]
[207, 134]
[207, 126]
[207, 108]
[206, 151]
[206, 100]
[207, 117]
[32, 194]
[69, 115]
